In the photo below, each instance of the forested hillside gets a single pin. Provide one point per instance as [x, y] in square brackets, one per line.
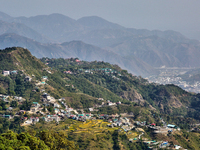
[165, 98]
[37, 95]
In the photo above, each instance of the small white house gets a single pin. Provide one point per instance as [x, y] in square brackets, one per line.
[6, 73]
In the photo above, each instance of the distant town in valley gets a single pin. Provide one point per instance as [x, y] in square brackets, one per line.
[176, 76]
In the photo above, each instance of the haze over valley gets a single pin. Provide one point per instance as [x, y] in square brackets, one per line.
[137, 50]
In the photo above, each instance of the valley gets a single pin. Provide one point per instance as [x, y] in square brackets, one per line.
[178, 77]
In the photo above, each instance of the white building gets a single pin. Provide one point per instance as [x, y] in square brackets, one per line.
[6, 73]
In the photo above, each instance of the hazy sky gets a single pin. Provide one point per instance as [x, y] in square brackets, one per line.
[178, 15]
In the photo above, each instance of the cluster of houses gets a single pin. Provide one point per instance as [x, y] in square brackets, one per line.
[63, 111]
[114, 120]
[7, 99]
[161, 144]
[61, 114]
[81, 117]
[101, 70]
[27, 77]
[124, 123]
[158, 129]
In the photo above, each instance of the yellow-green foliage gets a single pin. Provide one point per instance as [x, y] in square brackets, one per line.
[188, 140]
[11, 141]
[91, 126]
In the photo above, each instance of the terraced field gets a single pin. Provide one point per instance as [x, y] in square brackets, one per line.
[91, 126]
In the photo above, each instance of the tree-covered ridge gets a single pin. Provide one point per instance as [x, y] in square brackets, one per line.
[7, 50]
[17, 58]
[165, 98]
[44, 140]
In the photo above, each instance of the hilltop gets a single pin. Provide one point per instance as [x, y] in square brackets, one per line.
[20, 59]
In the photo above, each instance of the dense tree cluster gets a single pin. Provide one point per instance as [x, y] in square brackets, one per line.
[44, 140]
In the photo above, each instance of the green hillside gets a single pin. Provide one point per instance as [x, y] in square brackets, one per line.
[39, 88]
[85, 75]
[89, 81]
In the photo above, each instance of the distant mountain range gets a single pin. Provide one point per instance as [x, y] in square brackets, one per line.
[75, 49]
[137, 50]
[22, 30]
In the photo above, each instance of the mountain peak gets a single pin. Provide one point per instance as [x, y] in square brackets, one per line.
[4, 16]
[54, 17]
[96, 22]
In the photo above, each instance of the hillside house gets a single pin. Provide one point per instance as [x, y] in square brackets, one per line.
[18, 98]
[110, 120]
[6, 73]
[67, 72]
[77, 60]
[91, 109]
[13, 72]
[47, 118]
[44, 77]
[102, 116]
[56, 110]
[28, 121]
[7, 116]
[25, 118]
[47, 96]
[35, 104]
[55, 105]
[111, 104]
[173, 127]
[56, 118]
[27, 79]
[33, 109]
[69, 109]
[88, 115]
[118, 103]
[177, 147]
[34, 119]
[63, 111]
[43, 82]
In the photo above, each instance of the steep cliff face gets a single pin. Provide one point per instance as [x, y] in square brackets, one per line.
[133, 96]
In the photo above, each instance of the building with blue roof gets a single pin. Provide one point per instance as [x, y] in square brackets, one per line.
[171, 126]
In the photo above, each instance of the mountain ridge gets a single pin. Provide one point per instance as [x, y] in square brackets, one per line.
[152, 48]
[76, 49]
[21, 29]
